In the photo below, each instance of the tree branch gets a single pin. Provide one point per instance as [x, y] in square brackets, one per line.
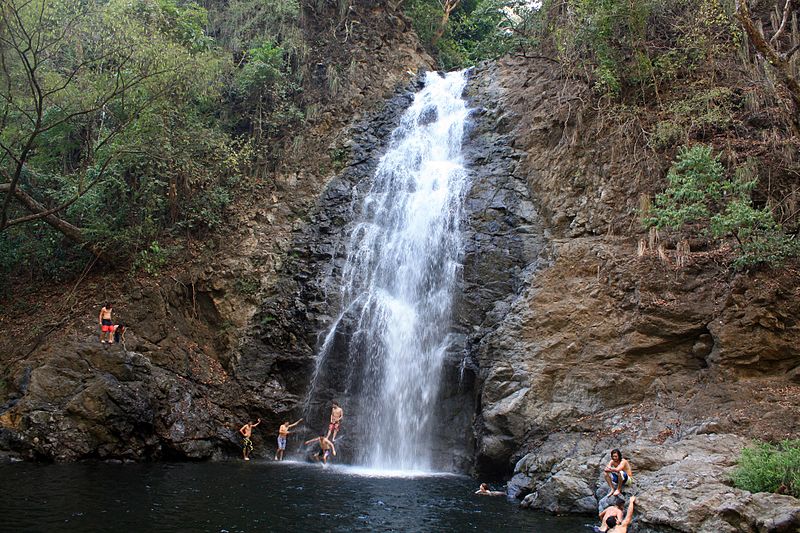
[786, 10]
[781, 65]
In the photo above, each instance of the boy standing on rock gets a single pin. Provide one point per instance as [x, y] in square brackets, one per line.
[247, 445]
[106, 325]
[283, 432]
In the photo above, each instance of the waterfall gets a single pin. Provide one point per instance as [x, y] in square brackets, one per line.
[398, 281]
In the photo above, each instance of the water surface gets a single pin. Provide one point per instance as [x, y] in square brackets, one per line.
[255, 496]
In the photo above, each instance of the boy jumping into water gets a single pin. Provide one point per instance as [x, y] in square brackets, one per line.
[617, 473]
[283, 432]
[336, 419]
[247, 445]
[325, 447]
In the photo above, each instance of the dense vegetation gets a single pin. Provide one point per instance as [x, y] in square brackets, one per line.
[682, 72]
[124, 124]
[768, 467]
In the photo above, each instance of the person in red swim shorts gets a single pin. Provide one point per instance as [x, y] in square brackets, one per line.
[336, 419]
[106, 324]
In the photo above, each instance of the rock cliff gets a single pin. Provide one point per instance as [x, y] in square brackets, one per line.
[569, 342]
[603, 348]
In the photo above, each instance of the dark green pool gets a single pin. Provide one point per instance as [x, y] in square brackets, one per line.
[255, 496]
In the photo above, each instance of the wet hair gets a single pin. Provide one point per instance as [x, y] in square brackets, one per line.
[611, 521]
[616, 451]
[109, 305]
[334, 402]
[484, 486]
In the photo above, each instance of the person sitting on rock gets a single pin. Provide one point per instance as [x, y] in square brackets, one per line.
[617, 473]
[616, 510]
[483, 490]
[615, 526]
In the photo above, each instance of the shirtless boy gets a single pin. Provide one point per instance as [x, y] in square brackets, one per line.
[106, 325]
[615, 526]
[325, 448]
[247, 445]
[336, 419]
[617, 473]
[283, 432]
[615, 510]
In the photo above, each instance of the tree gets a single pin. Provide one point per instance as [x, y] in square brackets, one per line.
[770, 50]
[447, 8]
[81, 71]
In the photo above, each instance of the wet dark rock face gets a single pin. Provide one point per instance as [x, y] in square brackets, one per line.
[503, 239]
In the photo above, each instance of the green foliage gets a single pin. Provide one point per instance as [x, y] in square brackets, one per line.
[132, 137]
[247, 286]
[475, 31]
[768, 467]
[152, 259]
[700, 196]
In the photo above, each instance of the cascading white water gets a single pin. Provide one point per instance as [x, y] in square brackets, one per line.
[398, 281]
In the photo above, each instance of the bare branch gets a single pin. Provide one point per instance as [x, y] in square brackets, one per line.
[780, 64]
[786, 11]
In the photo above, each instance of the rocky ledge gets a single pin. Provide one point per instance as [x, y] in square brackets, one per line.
[681, 487]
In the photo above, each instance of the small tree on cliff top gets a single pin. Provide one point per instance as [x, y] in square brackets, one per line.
[702, 196]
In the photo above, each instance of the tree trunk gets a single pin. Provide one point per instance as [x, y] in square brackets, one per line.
[73, 233]
[780, 64]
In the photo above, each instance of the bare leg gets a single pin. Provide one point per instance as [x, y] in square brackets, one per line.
[618, 489]
[335, 432]
[610, 484]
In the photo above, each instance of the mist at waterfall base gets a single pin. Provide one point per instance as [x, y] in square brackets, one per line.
[249, 497]
[383, 356]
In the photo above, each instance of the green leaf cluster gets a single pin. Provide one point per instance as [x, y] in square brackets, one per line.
[768, 467]
[153, 111]
[476, 30]
[701, 197]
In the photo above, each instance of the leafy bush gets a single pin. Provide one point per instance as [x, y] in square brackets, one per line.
[768, 467]
[475, 31]
[702, 197]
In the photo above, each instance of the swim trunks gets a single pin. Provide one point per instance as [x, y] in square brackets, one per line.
[625, 478]
[281, 443]
[107, 325]
[247, 444]
[333, 426]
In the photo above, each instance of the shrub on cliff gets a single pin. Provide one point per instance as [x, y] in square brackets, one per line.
[770, 468]
[701, 197]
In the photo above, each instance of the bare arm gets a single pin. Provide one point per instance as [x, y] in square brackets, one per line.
[257, 423]
[241, 429]
[629, 516]
[310, 441]
[293, 425]
[100, 316]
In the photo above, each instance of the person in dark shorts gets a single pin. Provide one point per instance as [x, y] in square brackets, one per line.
[326, 447]
[618, 473]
